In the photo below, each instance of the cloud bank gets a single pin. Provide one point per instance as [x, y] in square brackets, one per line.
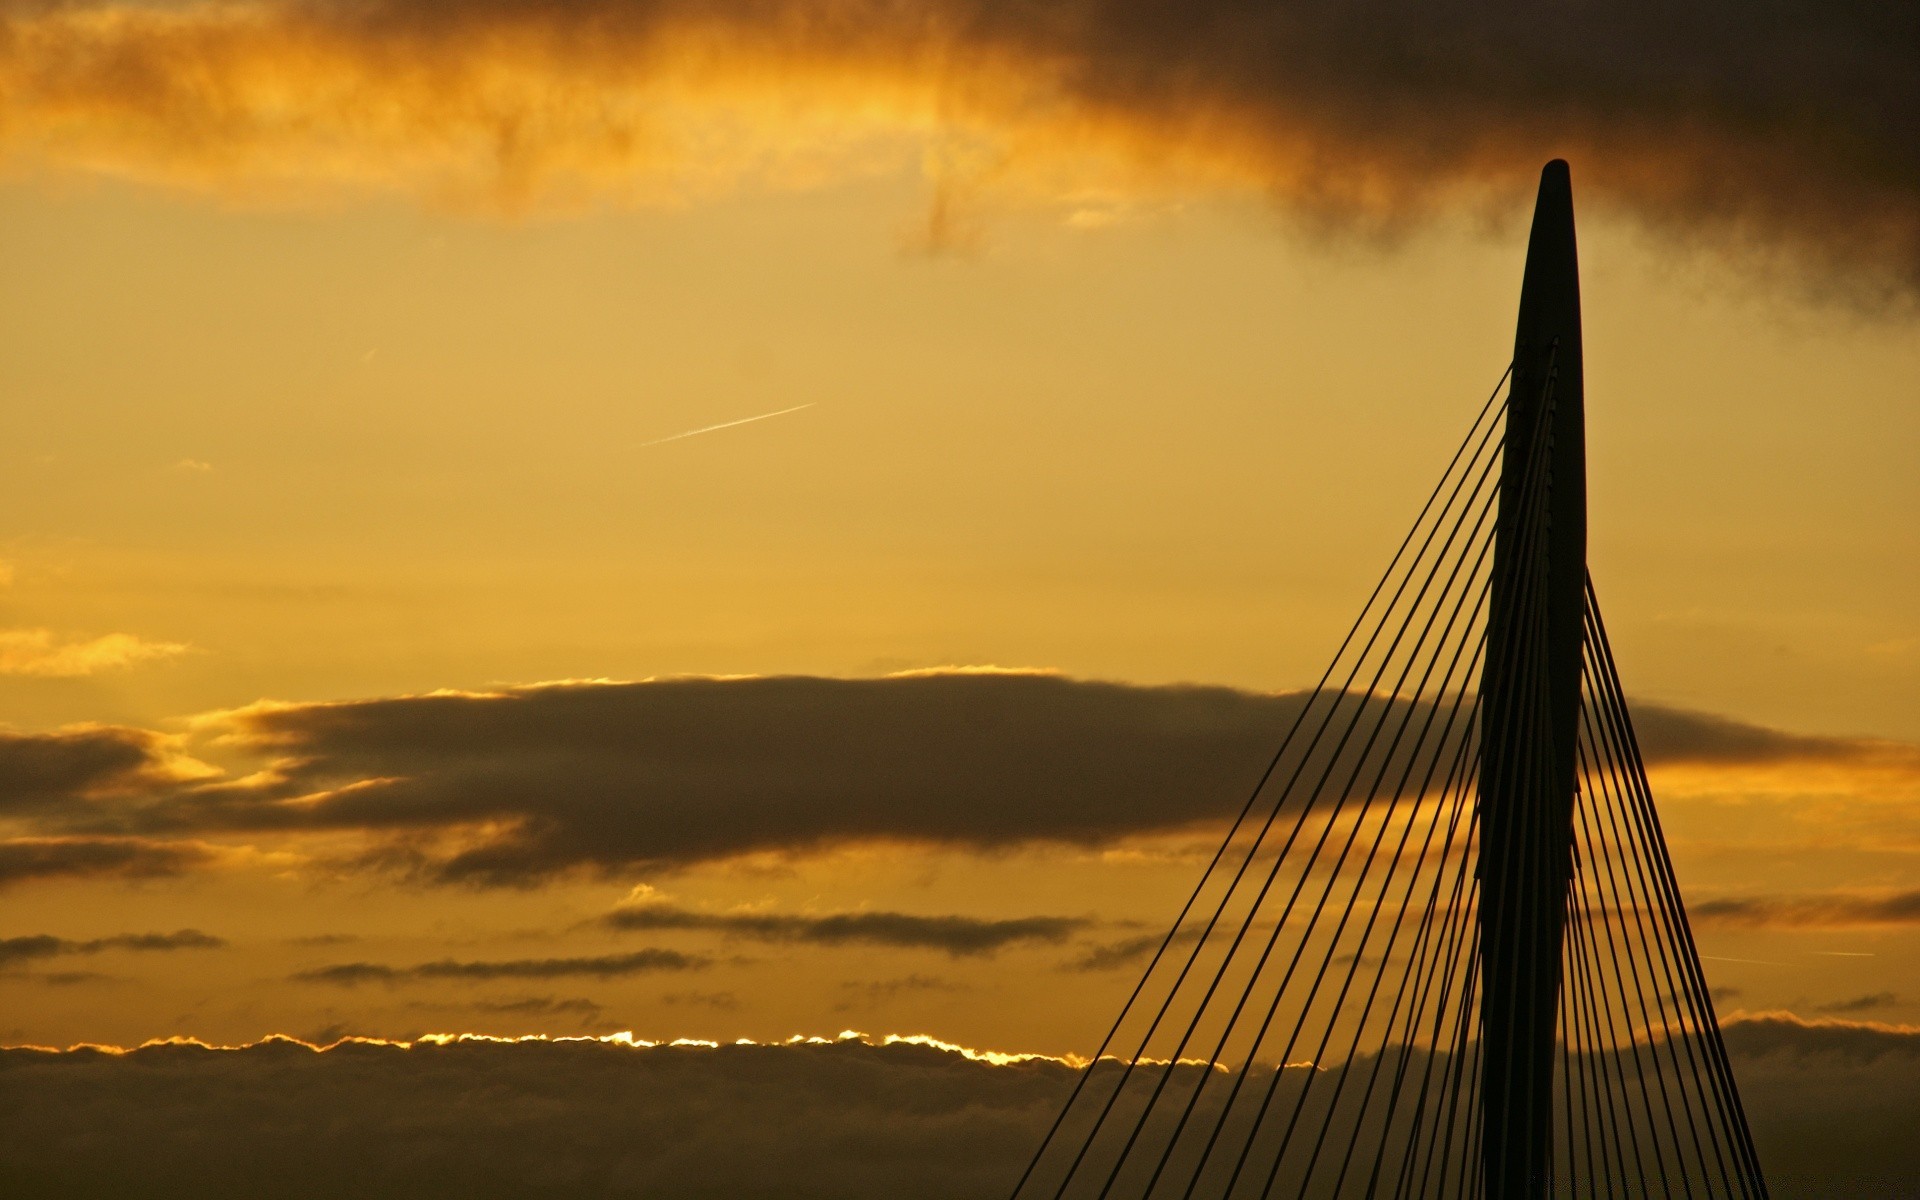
[1831, 1105]
[514, 786]
[1787, 128]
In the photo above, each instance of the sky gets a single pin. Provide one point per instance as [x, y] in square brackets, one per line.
[725, 521]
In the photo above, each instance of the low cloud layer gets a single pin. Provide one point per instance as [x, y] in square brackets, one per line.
[1787, 128]
[1831, 1106]
[514, 786]
[956, 935]
[600, 966]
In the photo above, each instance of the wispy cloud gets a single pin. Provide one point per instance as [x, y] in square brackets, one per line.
[40, 946]
[1860, 1004]
[955, 935]
[23, 859]
[39, 652]
[604, 966]
[1819, 909]
[724, 425]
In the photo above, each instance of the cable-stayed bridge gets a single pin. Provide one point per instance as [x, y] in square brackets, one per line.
[1441, 952]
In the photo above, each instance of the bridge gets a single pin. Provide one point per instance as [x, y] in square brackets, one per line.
[1441, 952]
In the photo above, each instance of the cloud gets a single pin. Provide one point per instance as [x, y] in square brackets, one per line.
[722, 1001]
[1677, 736]
[1860, 1004]
[956, 935]
[74, 978]
[541, 1006]
[1125, 952]
[1787, 129]
[603, 966]
[1823, 909]
[53, 770]
[1831, 1104]
[1826, 1100]
[513, 786]
[38, 946]
[23, 859]
[555, 1119]
[881, 991]
[38, 652]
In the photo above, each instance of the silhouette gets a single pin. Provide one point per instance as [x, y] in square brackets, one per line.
[1441, 951]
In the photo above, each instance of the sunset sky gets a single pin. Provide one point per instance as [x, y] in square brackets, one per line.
[376, 658]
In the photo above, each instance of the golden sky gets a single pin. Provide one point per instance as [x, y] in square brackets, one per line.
[346, 353]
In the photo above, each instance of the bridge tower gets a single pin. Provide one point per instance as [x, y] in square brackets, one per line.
[1530, 687]
[1441, 952]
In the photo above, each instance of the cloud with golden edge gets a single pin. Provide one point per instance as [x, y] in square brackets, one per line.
[38, 652]
[1787, 134]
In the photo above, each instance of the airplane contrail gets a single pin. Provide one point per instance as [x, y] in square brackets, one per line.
[726, 425]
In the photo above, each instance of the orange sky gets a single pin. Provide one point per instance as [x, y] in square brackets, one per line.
[328, 380]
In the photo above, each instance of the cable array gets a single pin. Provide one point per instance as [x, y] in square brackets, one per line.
[1312, 1023]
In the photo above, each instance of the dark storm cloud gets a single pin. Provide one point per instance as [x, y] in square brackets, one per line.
[32, 947]
[1817, 909]
[1787, 125]
[28, 858]
[956, 935]
[1831, 1106]
[602, 966]
[513, 786]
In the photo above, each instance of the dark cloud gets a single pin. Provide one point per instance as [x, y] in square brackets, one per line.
[39, 946]
[40, 771]
[512, 786]
[541, 1006]
[23, 859]
[955, 935]
[1860, 1004]
[1787, 126]
[602, 966]
[1831, 1106]
[1818, 909]
[1678, 735]
[663, 774]
[553, 1120]
[1124, 952]
[722, 1001]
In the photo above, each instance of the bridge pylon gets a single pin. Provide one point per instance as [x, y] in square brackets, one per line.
[1441, 951]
